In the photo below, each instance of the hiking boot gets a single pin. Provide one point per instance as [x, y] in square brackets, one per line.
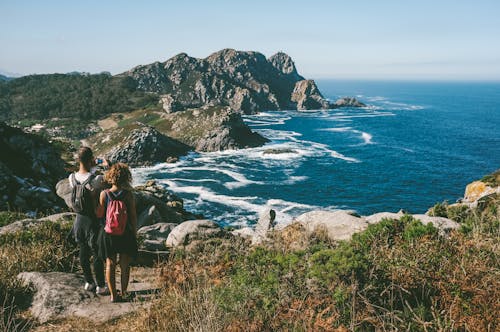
[102, 290]
[89, 287]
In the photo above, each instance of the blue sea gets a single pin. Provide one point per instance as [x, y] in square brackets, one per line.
[415, 144]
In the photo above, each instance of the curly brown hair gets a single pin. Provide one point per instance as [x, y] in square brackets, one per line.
[119, 174]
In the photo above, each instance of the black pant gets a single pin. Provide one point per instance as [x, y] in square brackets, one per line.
[86, 230]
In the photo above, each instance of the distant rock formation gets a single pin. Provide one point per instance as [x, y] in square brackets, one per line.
[245, 81]
[29, 168]
[145, 145]
[206, 129]
[348, 102]
[306, 96]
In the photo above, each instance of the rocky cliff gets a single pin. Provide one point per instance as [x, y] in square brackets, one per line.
[29, 168]
[146, 137]
[244, 81]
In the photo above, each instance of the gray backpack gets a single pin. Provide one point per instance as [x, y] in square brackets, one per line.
[82, 196]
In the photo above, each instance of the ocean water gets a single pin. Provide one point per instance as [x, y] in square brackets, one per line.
[415, 144]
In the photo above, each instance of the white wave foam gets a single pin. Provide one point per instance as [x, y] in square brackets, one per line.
[205, 194]
[366, 137]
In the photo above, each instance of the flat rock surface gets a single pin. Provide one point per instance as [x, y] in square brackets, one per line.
[339, 225]
[60, 295]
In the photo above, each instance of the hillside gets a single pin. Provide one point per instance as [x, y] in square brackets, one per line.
[58, 99]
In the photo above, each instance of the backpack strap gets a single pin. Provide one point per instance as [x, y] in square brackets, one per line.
[84, 183]
[89, 179]
[72, 179]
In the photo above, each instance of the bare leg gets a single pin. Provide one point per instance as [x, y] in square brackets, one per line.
[110, 276]
[125, 271]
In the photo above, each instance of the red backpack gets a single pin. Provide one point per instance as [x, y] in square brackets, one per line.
[116, 214]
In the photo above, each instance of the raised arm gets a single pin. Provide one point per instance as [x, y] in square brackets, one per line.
[132, 213]
[99, 212]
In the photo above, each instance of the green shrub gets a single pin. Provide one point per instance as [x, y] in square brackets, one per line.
[8, 217]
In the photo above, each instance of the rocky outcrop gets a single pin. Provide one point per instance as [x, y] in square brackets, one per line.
[262, 228]
[173, 135]
[191, 230]
[60, 295]
[144, 145]
[478, 189]
[245, 81]
[337, 225]
[155, 236]
[444, 225]
[306, 96]
[25, 224]
[211, 129]
[29, 168]
[377, 217]
[347, 102]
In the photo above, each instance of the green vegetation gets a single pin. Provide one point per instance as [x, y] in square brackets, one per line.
[62, 98]
[396, 275]
[7, 217]
[492, 179]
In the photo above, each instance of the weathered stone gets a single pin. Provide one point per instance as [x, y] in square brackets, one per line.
[263, 226]
[155, 236]
[191, 230]
[476, 190]
[245, 232]
[347, 102]
[25, 224]
[377, 217]
[148, 217]
[144, 145]
[338, 225]
[444, 225]
[306, 95]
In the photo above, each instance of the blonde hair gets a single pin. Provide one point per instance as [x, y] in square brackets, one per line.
[119, 175]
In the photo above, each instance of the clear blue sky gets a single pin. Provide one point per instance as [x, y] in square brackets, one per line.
[369, 39]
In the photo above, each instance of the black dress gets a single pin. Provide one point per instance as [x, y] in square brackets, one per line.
[110, 245]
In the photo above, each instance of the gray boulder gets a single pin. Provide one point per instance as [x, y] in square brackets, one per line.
[25, 224]
[155, 236]
[338, 225]
[263, 226]
[444, 225]
[245, 232]
[193, 230]
[149, 216]
[377, 217]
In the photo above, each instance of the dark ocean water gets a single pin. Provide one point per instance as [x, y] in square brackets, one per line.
[417, 143]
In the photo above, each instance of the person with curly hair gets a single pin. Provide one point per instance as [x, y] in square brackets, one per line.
[113, 244]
